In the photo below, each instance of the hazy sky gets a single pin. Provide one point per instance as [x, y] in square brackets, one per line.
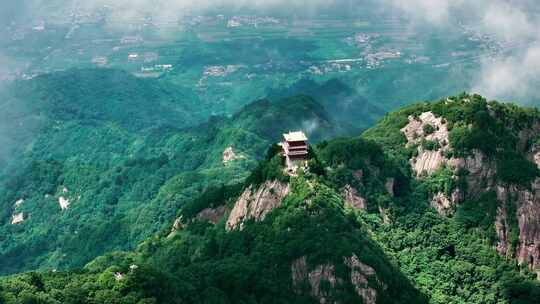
[514, 76]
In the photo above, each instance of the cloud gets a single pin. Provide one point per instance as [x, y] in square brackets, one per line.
[310, 126]
[515, 72]
[437, 12]
[507, 22]
[513, 22]
[514, 77]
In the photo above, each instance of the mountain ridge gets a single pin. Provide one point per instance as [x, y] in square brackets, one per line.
[93, 178]
[361, 218]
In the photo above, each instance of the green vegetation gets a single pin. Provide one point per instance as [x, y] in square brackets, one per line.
[126, 155]
[451, 263]
[442, 180]
[203, 264]
[428, 129]
[513, 168]
[480, 214]
[418, 256]
[492, 128]
[431, 145]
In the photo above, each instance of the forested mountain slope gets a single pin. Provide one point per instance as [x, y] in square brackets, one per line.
[102, 160]
[375, 219]
[306, 246]
[479, 162]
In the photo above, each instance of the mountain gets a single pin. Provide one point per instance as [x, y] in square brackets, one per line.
[416, 210]
[479, 162]
[353, 110]
[304, 245]
[102, 160]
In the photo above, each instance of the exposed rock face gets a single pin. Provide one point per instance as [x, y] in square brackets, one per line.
[528, 214]
[326, 272]
[427, 161]
[63, 202]
[353, 198]
[383, 213]
[414, 131]
[212, 215]
[177, 225]
[502, 229]
[118, 276]
[482, 177]
[360, 273]
[19, 203]
[528, 219]
[17, 218]
[359, 278]
[389, 185]
[536, 158]
[299, 271]
[229, 155]
[257, 203]
[481, 171]
[322, 273]
[442, 204]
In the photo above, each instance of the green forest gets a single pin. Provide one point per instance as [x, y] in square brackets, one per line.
[417, 255]
[125, 173]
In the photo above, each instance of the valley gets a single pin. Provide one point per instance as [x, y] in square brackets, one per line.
[228, 60]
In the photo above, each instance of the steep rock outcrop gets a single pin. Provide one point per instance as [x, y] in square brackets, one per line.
[359, 276]
[389, 185]
[481, 172]
[257, 203]
[353, 198]
[527, 203]
[442, 204]
[321, 273]
[229, 155]
[478, 166]
[481, 177]
[212, 215]
[427, 161]
[17, 218]
[502, 229]
[177, 226]
[528, 214]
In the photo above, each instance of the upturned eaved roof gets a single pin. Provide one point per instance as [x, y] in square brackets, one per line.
[295, 136]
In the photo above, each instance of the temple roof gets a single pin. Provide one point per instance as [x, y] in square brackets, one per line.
[295, 136]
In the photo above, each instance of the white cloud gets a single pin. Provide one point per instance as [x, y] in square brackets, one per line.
[507, 22]
[514, 77]
[434, 11]
[514, 74]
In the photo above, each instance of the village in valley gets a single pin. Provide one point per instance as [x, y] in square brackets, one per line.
[197, 51]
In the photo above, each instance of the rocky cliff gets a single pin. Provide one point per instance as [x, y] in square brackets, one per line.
[256, 202]
[475, 173]
[359, 276]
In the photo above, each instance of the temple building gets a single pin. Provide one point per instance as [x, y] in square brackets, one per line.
[295, 149]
